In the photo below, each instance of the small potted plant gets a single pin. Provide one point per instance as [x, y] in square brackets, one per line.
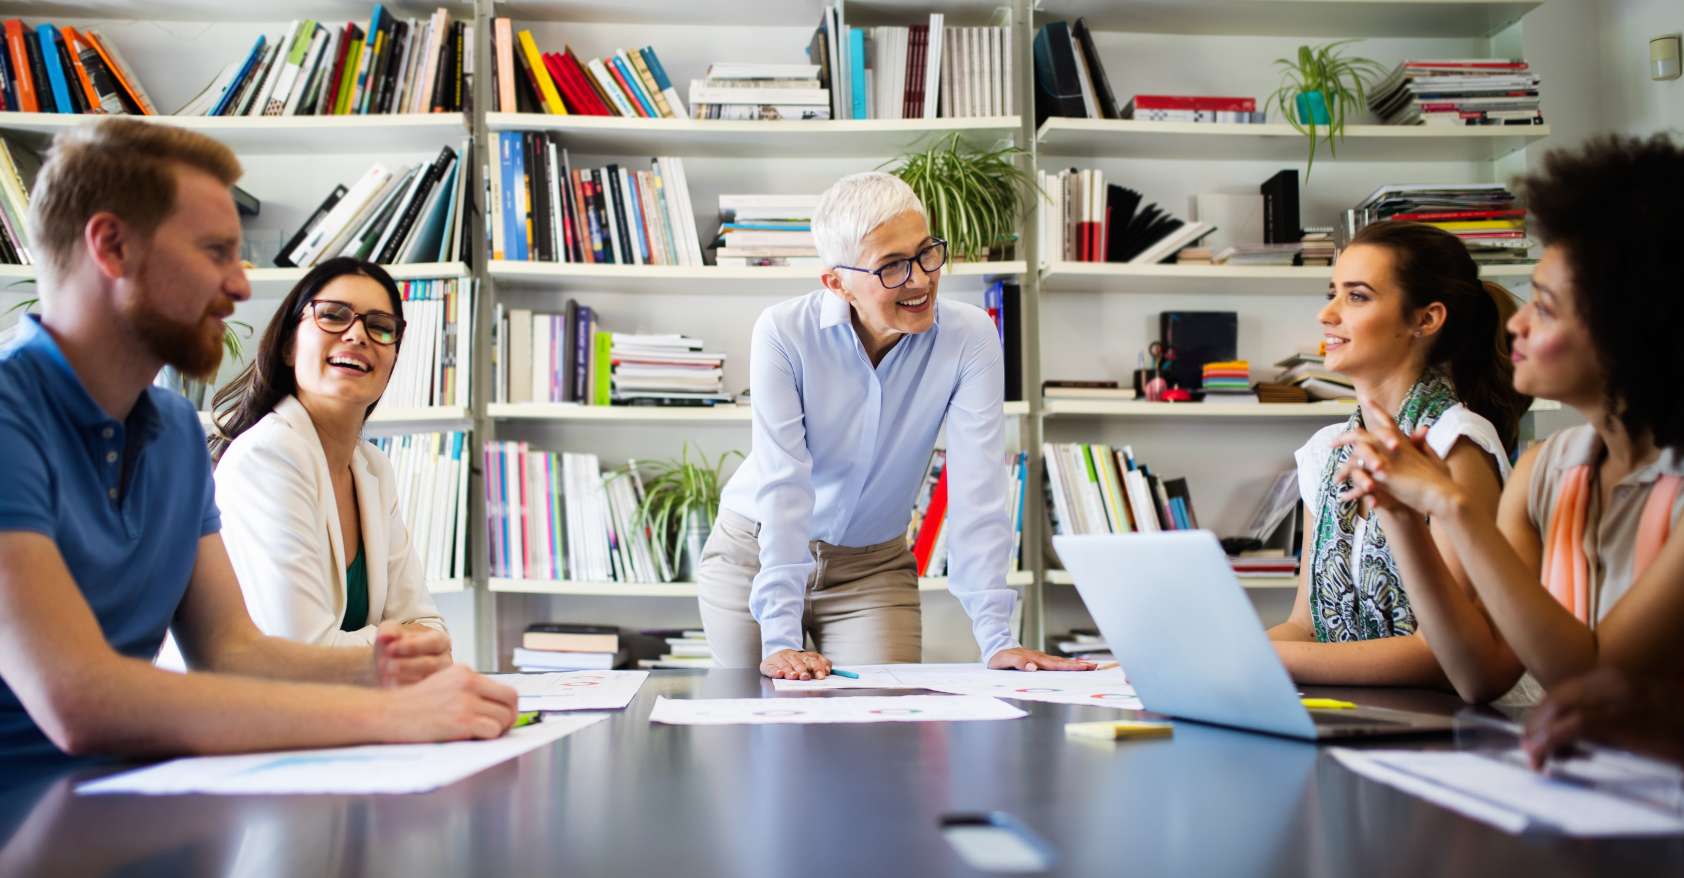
[680, 499]
[974, 197]
[1319, 90]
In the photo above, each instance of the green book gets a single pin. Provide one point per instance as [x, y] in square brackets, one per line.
[603, 369]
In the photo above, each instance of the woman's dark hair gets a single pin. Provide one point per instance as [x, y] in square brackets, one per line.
[1615, 207]
[268, 379]
[1432, 265]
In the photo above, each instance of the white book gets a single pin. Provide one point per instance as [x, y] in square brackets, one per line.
[702, 93]
[324, 74]
[686, 214]
[205, 101]
[558, 206]
[540, 365]
[1090, 103]
[611, 87]
[406, 63]
[842, 60]
[1141, 502]
[877, 71]
[1181, 237]
[459, 521]
[932, 66]
[342, 215]
[514, 492]
[762, 71]
[949, 50]
[1007, 68]
[301, 79]
[383, 203]
[628, 204]
[262, 71]
[277, 71]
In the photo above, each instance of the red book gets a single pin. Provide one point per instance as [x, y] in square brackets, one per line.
[1442, 215]
[583, 84]
[27, 100]
[933, 521]
[552, 63]
[1195, 102]
[339, 55]
[1467, 65]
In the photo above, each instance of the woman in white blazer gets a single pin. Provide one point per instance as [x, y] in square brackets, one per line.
[309, 509]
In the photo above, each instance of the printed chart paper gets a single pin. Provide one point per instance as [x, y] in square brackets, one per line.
[374, 768]
[1604, 795]
[1107, 688]
[864, 709]
[575, 690]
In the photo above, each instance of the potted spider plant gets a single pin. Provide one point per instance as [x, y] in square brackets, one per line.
[170, 377]
[974, 196]
[1319, 90]
[680, 499]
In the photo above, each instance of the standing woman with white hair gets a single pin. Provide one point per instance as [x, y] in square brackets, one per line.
[851, 384]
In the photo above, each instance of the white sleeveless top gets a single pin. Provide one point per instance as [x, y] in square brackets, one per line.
[1457, 422]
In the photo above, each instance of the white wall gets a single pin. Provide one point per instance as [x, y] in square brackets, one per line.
[1630, 101]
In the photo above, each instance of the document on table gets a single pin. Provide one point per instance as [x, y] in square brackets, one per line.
[1107, 688]
[864, 709]
[374, 768]
[1603, 795]
[575, 690]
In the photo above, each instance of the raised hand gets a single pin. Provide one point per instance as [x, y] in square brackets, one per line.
[1389, 469]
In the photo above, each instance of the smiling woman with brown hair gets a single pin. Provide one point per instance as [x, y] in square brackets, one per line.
[310, 510]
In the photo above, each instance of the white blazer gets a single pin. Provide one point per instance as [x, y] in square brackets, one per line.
[281, 527]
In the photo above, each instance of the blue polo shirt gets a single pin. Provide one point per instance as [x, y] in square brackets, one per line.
[125, 501]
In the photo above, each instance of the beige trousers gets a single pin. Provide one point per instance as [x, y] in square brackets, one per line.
[861, 604]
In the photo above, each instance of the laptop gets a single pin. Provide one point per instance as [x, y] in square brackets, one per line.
[1178, 621]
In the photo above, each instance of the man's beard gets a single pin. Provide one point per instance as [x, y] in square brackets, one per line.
[194, 348]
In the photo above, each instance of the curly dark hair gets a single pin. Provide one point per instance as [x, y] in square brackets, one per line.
[1615, 207]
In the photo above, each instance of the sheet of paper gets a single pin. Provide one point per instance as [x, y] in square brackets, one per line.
[375, 768]
[1604, 795]
[864, 709]
[575, 690]
[1108, 688]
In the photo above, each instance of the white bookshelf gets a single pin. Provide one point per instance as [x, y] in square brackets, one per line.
[562, 412]
[275, 283]
[1260, 583]
[1316, 411]
[1015, 579]
[1305, 18]
[446, 417]
[717, 138]
[1122, 277]
[288, 135]
[1279, 142]
[704, 279]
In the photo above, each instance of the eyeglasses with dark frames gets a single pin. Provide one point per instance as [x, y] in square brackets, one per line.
[931, 257]
[383, 328]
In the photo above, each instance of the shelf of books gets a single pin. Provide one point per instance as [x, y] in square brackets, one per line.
[1308, 18]
[288, 135]
[1325, 409]
[783, 279]
[642, 414]
[388, 420]
[724, 138]
[1172, 279]
[1063, 577]
[1132, 138]
[1015, 579]
[273, 283]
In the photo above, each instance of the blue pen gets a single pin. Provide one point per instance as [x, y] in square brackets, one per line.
[841, 673]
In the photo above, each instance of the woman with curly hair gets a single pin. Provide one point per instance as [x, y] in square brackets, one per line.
[1583, 566]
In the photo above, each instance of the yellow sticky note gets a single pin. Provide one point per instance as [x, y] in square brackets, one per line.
[1115, 730]
[1328, 704]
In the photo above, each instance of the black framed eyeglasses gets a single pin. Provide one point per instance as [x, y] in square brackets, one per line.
[382, 327]
[931, 257]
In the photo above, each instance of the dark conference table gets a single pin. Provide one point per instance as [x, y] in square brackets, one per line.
[625, 797]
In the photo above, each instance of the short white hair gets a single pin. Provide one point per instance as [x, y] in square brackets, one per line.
[855, 205]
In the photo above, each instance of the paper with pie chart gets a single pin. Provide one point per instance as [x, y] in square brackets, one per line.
[861, 709]
[1108, 688]
[575, 690]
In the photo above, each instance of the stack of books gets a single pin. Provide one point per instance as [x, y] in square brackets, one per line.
[1317, 246]
[1308, 372]
[926, 531]
[665, 370]
[922, 71]
[1193, 108]
[1083, 643]
[552, 646]
[1280, 392]
[685, 648]
[1264, 563]
[435, 366]
[626, 82]
[760, 91]
[432, 471]
[1096, 489]
[392, 66]
[1195, 256]
[1227, 381]
[557, 516]
[543, 209]
[1258, 254]
[1486, 216]
[757, 230]
[1085, 219]
[1461, 91]
[18, 166]
[408, 214]
[48, 69]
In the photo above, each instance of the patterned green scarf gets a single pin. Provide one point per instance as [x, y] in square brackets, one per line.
[1375, 605]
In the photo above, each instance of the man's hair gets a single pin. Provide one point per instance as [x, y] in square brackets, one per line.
[123, 166]
[1615, 207]
[852, 207]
